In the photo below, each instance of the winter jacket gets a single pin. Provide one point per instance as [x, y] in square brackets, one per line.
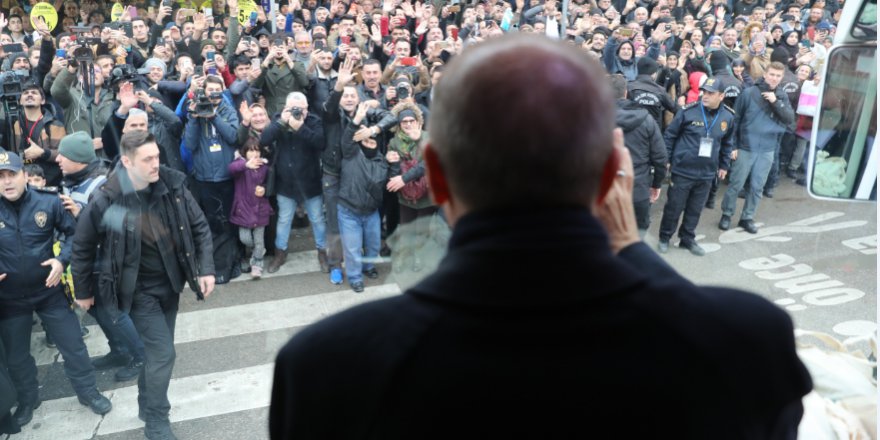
[320, 88]
[163, 124]
[760, 125]
[76, 105]
[644, 140]
[212, 143]
[409, 149]
[248, 210]
[297, 157]
[683, 136]
[694, 80]
[363, 179]
[335, 118]
[81, 185]
[730, 85]
[112, 221]
[645, 92]
[626, 68]
[27, 236]
[278, 81]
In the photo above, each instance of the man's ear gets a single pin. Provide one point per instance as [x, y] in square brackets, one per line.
[126, 162]
[437, 186]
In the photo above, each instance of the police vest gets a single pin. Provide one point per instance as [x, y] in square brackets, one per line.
[80, 193]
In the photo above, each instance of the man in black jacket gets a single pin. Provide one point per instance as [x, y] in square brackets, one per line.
[30, 276]
[338, 111]
[699, 141]
[154, 238]
[297, 137]
[645, 91]
[644, 139]
[524, 355]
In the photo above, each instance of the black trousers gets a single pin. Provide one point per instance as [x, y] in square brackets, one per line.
[643, 213]
[16, 320]
[154, 313]
[686, 195]
[215, 199]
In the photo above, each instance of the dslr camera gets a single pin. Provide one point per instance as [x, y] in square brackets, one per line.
[296, 113]
[402, 91]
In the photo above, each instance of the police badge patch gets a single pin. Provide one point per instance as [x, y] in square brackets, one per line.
[40, 217]
[723, 125]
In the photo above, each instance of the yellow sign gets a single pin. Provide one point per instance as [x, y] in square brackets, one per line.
[207, 4]
[245, 8]
[46, 11]
[116, 12]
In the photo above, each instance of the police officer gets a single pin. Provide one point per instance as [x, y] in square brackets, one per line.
[645, 91]
[732, 88]
[699, 141]
[30, 280]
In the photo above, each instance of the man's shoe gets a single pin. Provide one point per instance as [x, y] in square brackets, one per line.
[802, 181]
[322, 261]
[159, 431]
[277, 261]
[724, 224]
[336, 276]
[357, 286]
[791, 174]
[663, 246]
[96, 402]
[372, 273]
[245, 265]
[385, 251]
[748, 226]
[111, 360]
[768, 193]
[24, 413]
[130, 371]
[710, 203]
[693, 247]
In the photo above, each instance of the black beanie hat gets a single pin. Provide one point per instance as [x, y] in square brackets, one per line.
[718, 61]
[780, 54]
[647, 66]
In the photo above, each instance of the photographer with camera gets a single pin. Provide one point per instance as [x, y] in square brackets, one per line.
[210, 136]
[297, 138]
[35, 130]
[280, 76]
[79, 90]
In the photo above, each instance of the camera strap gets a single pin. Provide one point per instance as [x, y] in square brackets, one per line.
[33, 127]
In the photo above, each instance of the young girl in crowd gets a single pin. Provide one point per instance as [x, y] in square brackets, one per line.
[250, 207]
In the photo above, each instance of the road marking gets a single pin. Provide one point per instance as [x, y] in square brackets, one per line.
[191, 397]
[297, 263]
[202, 325]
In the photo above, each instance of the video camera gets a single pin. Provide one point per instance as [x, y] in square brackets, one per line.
[12, 83]
[124, 72]
[82, 55]
[204, 107]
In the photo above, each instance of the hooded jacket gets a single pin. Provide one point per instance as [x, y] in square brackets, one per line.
[629, 69]
[76, 105]
[212, 143]
[112, 221]
[645, 92]
[644, 140]
[363, 178]
[248, 210]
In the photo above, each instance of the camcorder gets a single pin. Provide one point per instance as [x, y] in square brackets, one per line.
[82, 55]
[204, 107]
[12, 83]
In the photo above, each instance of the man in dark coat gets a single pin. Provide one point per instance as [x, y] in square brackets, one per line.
[153, 238]
[645, 91]
[644, 139]
[469, 352]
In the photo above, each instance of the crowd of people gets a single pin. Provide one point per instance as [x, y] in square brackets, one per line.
[322, 108]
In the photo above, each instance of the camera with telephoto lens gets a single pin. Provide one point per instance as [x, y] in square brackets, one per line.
[204, 107]
[12, 83]
[402, 91]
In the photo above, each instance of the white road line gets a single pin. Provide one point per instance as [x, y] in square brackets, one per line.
[297, 263]
[192, 397]
[202, 325]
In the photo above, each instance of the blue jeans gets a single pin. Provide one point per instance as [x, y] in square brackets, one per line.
[758, 164]
[286, 210]
[361, 235]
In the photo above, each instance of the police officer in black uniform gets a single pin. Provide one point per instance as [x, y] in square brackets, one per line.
[645, 91]
[30, 280]
[699, 141]
[732, 88]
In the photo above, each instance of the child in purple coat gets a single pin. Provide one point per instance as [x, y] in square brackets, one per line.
[250, 207]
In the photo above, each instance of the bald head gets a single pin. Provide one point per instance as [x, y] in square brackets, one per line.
[522, 120]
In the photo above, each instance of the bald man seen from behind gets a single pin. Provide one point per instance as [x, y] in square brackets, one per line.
[541, 321]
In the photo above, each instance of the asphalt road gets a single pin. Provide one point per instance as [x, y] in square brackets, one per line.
[815, 258]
